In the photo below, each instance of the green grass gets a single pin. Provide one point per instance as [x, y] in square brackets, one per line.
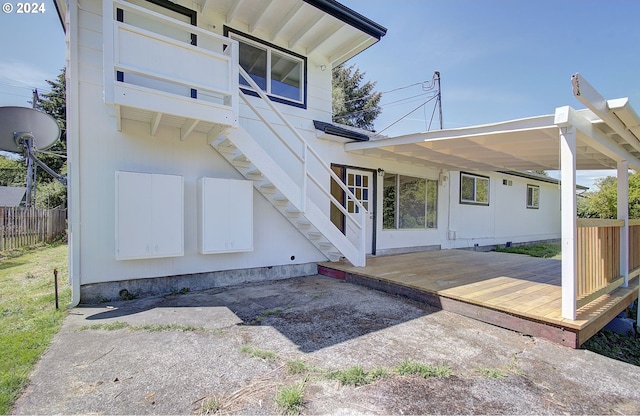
[357, 376]
[547, 250]
[492, 372]
[290, 399]
[118, 325]
[258, 353]
[408, 367]
[29, 319]
[620, 347]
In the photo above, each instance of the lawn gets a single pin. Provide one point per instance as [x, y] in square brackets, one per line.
[29, 318]
[545, 250]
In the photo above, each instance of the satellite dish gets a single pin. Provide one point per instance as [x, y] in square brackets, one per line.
[17, 123]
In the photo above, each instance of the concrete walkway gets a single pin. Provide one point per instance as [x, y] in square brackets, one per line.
[192, 353]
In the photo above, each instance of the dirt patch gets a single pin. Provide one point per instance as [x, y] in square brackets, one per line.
[228, 351]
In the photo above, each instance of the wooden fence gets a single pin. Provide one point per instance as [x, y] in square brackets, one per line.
[20, 227]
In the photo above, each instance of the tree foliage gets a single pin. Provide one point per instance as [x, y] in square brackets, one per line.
[603, 202]
[12, 172]
[54, 104]
[354, 104]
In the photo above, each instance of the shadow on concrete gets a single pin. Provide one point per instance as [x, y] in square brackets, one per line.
[313, 312]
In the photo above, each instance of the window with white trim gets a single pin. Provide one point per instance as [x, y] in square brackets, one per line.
[279, 73]
[409, 202]
[533, 196]
[474, 189]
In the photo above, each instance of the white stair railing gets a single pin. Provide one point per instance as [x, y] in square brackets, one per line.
[308, 153]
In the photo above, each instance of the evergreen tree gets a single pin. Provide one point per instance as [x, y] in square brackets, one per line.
[354, 104]
[54, 104]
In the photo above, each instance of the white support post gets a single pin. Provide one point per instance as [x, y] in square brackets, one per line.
[569, 222]
[623, 214]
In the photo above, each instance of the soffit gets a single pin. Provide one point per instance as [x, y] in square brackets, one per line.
[296, 25]
[526, 144]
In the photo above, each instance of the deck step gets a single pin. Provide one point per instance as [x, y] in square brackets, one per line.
[325, 246]
[314, 235]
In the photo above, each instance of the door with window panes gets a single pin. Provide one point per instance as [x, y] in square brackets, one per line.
[360, 183]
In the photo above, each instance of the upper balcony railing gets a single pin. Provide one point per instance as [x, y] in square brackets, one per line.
[156, 63]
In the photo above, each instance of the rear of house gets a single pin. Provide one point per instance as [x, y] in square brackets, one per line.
[201, 153]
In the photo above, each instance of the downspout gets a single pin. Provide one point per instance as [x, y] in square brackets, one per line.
[73, 142]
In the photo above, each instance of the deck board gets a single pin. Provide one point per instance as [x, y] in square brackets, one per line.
[523, 287]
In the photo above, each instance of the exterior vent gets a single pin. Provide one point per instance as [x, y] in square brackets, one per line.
[507, 182]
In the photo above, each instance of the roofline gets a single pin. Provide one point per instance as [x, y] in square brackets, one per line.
[350, 17]
[60, 17]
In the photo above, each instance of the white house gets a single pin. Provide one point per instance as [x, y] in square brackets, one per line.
[201, 152]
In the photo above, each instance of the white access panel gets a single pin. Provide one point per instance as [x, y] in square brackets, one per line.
[149, 215]
[225, 208]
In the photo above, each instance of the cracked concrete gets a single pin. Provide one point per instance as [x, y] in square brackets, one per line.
[177, 352]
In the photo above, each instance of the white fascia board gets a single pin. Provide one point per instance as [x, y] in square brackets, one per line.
[567, 116]
[520, 125]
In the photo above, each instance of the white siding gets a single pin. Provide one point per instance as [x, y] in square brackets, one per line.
[507, 217]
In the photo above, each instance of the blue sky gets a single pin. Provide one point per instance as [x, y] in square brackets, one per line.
[32, 50]
[498, 59]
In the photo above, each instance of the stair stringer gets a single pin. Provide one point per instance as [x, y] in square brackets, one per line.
[251, 160]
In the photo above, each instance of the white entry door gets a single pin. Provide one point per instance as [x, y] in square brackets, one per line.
[360, 183]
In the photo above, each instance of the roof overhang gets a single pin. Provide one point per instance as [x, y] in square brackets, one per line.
[320, 27]
[524, 144]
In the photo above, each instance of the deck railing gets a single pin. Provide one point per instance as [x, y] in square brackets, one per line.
[634, 248]
[598, 258]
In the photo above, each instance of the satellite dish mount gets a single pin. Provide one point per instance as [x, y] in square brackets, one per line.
[25, 130]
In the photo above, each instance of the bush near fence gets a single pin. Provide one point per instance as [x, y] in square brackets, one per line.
[20, 227]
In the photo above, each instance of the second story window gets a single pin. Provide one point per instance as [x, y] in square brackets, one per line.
[279, 73]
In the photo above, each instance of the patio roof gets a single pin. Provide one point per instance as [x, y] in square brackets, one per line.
[606, 134]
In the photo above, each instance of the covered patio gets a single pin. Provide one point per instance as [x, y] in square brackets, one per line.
[598, 256]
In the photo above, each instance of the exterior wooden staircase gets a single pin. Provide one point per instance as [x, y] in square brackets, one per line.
[286, 191]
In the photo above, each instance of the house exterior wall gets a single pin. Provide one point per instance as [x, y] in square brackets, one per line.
[100, 150]
[507, 217]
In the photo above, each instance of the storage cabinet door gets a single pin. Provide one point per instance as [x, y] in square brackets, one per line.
[240, 196]
[133, 221]
[149, 218]
[226, 215]
[167, 211]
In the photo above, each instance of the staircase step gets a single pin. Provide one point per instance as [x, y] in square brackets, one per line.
[303, 224]
[314, 235]
[241, 158]
[280, 198]
[225, 142]
[268, 188]
[325, 245]
[334, 256]
[292, 212]
[255, 172]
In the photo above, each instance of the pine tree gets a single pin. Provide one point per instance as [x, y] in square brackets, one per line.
[354, 104]
[54, 104]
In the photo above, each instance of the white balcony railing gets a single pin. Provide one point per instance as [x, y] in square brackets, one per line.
[151, 64]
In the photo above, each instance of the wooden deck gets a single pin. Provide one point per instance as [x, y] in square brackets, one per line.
[513, 291]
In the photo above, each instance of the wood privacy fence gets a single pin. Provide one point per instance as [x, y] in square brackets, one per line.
[20, 227]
